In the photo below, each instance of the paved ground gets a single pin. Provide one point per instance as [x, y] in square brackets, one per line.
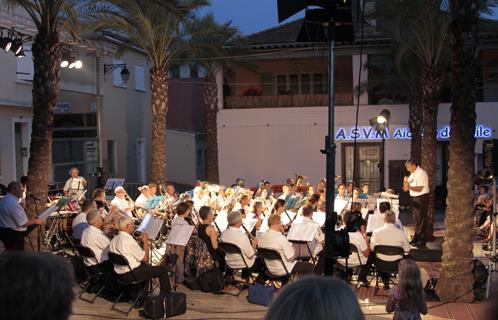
[210, 306]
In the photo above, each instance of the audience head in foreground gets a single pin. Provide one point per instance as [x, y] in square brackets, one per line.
[35, 286]
[316, 298]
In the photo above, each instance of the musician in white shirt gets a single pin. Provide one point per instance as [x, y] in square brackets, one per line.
[94, 238]
[243, 202]
[316, 245]
[418, 186]
[80, 222]
[120, 201]
[143, 197]
[235, 236]
[75, 185]
[274, 239]
[125, 245]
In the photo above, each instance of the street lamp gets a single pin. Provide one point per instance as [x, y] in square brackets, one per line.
[380, 124]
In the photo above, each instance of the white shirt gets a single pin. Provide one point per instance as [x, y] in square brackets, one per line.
[141, 201]
[239, 238]
[357, 239]
[178, 221]
[314, 245]
[75, 187]
[79, 225]
[275, 240]
[95, 239]
[418, 178]
[12, 215]
[121, 204]
[125, 245]
[389, 235]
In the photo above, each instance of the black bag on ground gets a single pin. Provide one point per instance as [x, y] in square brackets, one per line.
[80, 274]
[165, 305]
[191, 283]
[211, 281]
[481, 275]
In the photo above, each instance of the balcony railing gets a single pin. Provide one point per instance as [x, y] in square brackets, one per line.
[286, 101]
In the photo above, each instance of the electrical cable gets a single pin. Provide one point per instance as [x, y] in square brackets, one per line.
[358, 92]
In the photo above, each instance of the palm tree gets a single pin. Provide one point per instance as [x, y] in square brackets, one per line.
[213, 47]
[51, 18]
[154, 26]
[420, 29]
[456, 279]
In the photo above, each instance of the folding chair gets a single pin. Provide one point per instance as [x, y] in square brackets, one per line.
[274, 255]
[388, 267]
[95, 273]
[230, 248]
[306, 255]
[353, 250]
[119, 260]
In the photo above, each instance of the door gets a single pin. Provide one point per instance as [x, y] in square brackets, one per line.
[369, 159]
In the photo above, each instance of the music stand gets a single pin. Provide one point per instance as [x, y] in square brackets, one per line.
[113, 183]
[153, 202]
[151, 225]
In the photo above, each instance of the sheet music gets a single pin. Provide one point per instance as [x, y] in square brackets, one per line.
[180, 235]
[153, 202]
[45, 214]
[364, 212]
[221, 221]
[302, 231]
[319, 217]
[249, 224]
[285, 217]
[264, 225]
[151, 225]
[394, 203]
[375, 221]
[340, 204]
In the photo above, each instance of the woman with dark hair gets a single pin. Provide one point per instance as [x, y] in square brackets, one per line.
[316, 298]
[407, 299]
[206, 231]
[278, 207]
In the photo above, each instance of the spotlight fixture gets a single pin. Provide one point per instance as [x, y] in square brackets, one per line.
[65, 59]
[20, 54]
[381, 121]
[5, 43]
[16, 46]
[78, 64]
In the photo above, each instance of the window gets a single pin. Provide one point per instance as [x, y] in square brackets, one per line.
[293, 84]
[492, 71]
[24, 66]
[201, 72]
[184, 71]
[281, 84]
[117, 81]
[305, 84]
[318, 83]
[139, 78]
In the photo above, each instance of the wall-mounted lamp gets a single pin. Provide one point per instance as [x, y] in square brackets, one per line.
[125, 73]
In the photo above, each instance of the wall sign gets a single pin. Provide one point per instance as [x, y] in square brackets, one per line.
[365, 133]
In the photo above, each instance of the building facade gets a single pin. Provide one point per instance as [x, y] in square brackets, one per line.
[276, 115]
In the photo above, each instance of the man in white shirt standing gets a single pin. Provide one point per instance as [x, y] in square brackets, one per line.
[14, 224]
[125, 245]
[274, 239]
[234, 235]
[75, 186]
[418, 186]
[94, 238]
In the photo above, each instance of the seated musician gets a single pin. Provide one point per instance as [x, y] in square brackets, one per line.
[207, 232]
[364, 191]
[94, 238]
[170, 192]
[182, 217]
[274, 239]
[361, 242]
[234, 235]
[313, 201]
[120, 201]
[80, 222]
[99, 195]
[14, 224]
[183, 211]
[316, 245]
[342, 192]
[356, 195]
[242, 205]
[125, 245]
[143, 197]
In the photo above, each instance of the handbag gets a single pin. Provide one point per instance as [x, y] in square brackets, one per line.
[261, 294]
[165, 305]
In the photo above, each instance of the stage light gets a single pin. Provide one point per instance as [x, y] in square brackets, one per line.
[5, 43]
[381, 121]
[78, 64]
[16, 46]
[65, 59]
[125, 74]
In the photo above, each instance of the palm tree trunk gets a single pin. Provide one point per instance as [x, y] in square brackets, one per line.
[456, 279]
[46, 59]
[415, 124]
[211, 110]
[159, 101]
[430, 84]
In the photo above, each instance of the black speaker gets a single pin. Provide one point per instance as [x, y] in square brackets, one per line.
[490, 156]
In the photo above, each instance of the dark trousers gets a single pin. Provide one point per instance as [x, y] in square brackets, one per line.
[12, 240]
[303, 268]
[419, 213]
[146, 272]
[367, 267]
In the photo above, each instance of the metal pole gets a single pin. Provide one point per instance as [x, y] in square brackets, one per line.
[331, 216]
[99, 110]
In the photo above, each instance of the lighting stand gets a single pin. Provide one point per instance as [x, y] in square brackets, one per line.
[493, 256]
